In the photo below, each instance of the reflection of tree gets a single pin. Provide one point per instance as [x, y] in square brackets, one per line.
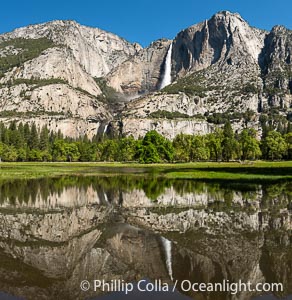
[155, 187]
[23, 191]
[279, 194]
[228, 197]
[188, 186]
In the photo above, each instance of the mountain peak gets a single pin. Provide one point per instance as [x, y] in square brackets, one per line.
[224, 12]
[279, 28]
[62, 22]
[227, 15]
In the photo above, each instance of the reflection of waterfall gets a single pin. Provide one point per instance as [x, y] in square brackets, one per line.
[166, 79]
[105, 197]
[167, 249]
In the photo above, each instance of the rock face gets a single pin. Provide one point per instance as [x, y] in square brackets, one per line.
[168, 128]
[98, 51]
[275, 61]
[222, 65]
[225, 39]
[141, 73]
[59, 106]
[56, 87]
[57, 63]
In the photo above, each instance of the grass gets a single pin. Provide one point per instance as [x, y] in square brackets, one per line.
[259, 171]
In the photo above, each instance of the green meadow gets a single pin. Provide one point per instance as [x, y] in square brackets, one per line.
[250, 171]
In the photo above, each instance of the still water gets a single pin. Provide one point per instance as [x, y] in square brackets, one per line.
[57, 232]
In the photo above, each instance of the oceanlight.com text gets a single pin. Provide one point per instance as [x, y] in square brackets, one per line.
[184, 286]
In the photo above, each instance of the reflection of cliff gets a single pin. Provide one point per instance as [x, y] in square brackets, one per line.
[54, 226]
[140, 249]
[215, 246]
[48, 248]
[48, 257]
[122, 252]
[54, 270]
[276, 259]
[181, 220]
[214, 259]
[233, 257]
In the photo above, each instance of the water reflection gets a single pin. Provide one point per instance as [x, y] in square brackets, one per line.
[57, 232]
[74, 191]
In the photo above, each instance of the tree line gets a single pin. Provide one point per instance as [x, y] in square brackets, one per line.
[24, 142]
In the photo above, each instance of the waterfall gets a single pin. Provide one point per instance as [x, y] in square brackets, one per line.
[167, 249]
[105, 129]
[166, 79]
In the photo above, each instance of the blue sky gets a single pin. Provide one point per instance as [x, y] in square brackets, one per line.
[142, 21]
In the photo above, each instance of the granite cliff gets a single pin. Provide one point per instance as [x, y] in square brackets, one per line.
[79, 79]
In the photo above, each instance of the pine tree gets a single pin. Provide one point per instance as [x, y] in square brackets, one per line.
[5, 137]
[289, 127]
[20, 129]
[60, 135]
[44, 138]
[26, 133]
[34, 137]
[15, 138]
[52, 138]
[2, 130]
